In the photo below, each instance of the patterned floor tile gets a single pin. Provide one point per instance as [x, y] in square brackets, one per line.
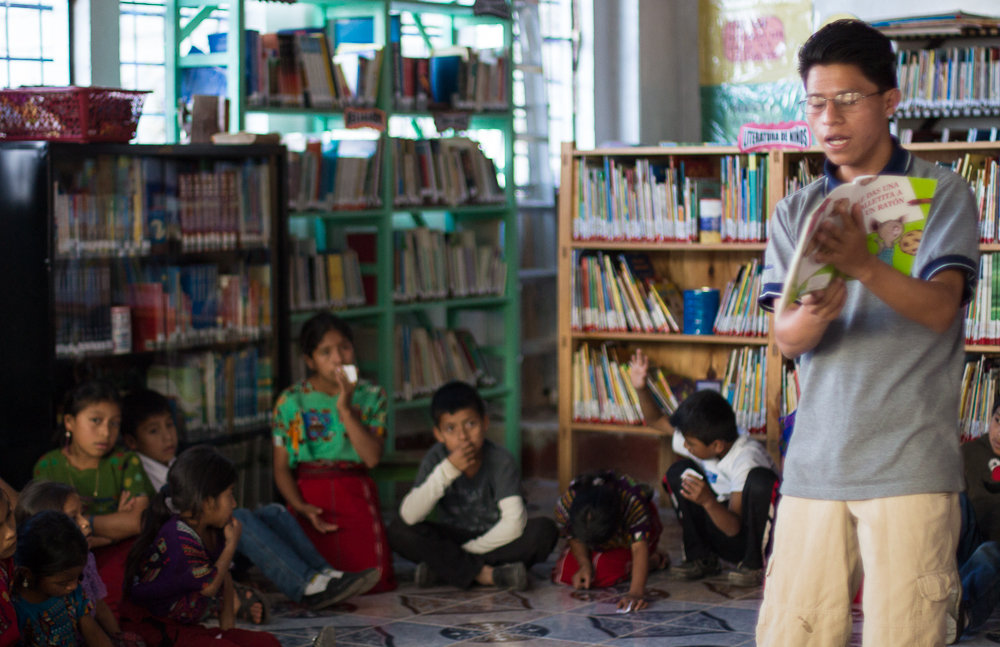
[409, 634]
[589, 629]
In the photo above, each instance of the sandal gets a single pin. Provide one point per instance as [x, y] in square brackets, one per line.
[248, 597]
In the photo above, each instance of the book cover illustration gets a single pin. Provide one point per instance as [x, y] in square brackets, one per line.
[893, 208]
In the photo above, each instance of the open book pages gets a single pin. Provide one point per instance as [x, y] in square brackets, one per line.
[893, 208]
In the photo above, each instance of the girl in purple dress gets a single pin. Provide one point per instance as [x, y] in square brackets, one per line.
[177, 573]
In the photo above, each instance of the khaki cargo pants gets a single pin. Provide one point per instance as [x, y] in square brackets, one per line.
[904, 545]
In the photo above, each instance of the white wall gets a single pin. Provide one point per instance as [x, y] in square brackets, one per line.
[638, 94]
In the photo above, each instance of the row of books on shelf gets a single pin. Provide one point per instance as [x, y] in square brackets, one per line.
[642, 200]
[623, 294]
[217, 393]
[602, 390]
[122, 205]
[949, 81]
[982, 315]
[158, 307]
[336, 174]
[982, 172]
[461, 78]
[445, 171]
[327, 279]
[947, 23]
[980, 380]
[948, 134]
[299, 68]
[432, 264]
[346, 174]
[738, 310]
[608, 296]
[427, 358]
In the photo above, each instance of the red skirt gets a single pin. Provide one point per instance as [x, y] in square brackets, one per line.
[349, 499]
[159, 632]
[111, 567]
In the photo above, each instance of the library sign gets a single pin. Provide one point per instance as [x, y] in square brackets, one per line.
[788, 135]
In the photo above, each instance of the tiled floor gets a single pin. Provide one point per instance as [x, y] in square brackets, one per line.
[705, 613]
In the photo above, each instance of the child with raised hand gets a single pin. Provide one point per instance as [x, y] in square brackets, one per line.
[481, 532]
[112, 485]
[271, 538]
[51, 606]
[9, 633]
[177, 574]
[612, 527]
[329, 430]
[50, 495]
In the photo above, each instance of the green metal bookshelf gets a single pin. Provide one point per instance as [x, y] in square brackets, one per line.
[385, 312]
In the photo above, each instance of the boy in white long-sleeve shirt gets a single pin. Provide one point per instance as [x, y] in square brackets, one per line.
[481, 532]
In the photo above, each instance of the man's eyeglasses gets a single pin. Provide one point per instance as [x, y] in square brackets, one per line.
[844, 102]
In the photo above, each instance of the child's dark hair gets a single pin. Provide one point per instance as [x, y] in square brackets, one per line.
[706, 416]
[316, 327]
[41, 495]
[595, 513]
[199, 473]
[87, 393]
[851, 42]
[138, 406]
[455, 396]
[50, 543]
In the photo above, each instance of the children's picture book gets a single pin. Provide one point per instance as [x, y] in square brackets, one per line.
[893, 208]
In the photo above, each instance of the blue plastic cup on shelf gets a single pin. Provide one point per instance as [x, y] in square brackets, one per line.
[700, 307]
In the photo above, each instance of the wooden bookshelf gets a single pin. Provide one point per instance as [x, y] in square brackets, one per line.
[688, 265]
[693, 265]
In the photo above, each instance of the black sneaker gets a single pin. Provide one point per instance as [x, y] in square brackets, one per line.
[695, 569]
[423, 576]
[512, 576]
[340, 588]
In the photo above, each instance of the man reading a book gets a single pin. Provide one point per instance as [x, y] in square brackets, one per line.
[873, 468]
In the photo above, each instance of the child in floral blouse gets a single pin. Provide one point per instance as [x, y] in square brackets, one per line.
[328, 431]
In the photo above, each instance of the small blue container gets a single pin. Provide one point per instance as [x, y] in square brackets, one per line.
[700, 308]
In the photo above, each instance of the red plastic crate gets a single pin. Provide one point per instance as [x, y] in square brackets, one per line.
[71, 114]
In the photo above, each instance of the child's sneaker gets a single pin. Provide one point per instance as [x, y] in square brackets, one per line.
[511, 576]
[746, 577]
[340, 588]
[423, 576]
[695, 569]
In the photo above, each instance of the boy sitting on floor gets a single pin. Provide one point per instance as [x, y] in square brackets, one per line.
[724, 499]
[482, 533]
